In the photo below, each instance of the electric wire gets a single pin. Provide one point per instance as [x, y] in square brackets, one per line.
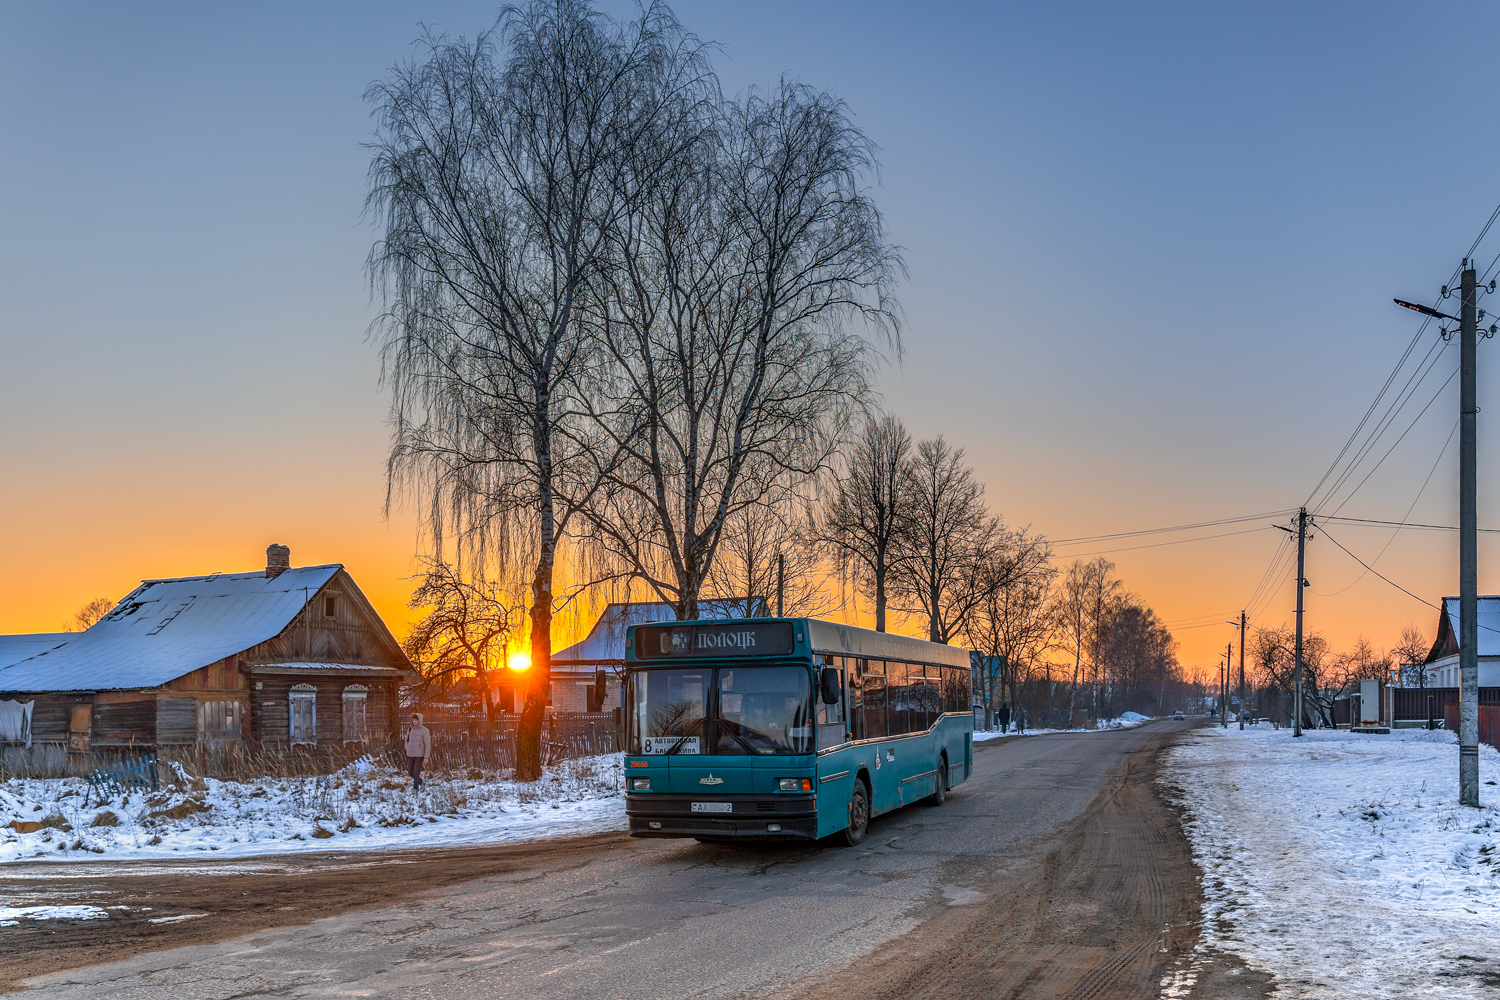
[1405, 517]
[1157, 545]
[1176, 527]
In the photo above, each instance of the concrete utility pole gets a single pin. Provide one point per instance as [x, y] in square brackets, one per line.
[780, 582]
[1301, 584]
[1468, 548]
[1242, 671]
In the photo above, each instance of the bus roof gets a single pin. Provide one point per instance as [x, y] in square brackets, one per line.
[831, 637]
[823, 637]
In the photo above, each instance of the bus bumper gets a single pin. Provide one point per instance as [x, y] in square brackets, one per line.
[751, 817]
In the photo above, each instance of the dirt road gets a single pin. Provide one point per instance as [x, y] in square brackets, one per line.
[1055, 872]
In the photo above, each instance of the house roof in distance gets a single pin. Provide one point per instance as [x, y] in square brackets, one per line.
[605, 642]
[166, 628]
[1446, 642]
[24, 646]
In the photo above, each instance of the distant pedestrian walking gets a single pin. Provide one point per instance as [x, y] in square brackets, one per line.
[1005, 717]
[1020, 719]
[418, 749]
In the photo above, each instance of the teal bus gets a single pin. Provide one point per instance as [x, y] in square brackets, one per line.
[788, 728]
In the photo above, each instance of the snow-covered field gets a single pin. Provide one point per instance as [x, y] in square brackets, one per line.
[362, 806]
[1342, 864]
[1127, 721]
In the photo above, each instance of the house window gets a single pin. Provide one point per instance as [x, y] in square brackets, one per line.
[219, 721]
[330, 607]
[302, 713]
[355, 728]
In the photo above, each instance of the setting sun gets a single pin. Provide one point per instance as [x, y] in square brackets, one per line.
[519, 660]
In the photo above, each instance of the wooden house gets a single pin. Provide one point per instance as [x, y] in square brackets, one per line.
[285, 657]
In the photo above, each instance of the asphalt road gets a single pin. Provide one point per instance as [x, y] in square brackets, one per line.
[657, 919]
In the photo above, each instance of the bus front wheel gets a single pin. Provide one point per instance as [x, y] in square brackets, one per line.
[859, 815]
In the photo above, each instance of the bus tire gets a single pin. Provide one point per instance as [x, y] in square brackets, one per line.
[940, 796]
[859, 815]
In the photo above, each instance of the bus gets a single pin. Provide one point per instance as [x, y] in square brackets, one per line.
[788, 728]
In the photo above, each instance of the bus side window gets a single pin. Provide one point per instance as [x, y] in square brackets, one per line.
[834, 713]
[898, 697]
[855, 675]
[873, 695]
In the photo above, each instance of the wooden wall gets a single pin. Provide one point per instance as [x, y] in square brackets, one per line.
[270, 712]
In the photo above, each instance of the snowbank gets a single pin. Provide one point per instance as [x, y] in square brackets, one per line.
[1342, 864]
[363, 806]
[1127, 721]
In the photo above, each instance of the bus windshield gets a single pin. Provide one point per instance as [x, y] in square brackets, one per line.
[737, 709]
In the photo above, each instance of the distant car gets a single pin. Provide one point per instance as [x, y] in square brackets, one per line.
[1177, 714]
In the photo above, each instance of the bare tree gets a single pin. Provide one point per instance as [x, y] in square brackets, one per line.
[1082, 603]
[91, 612]
[464, 627]
[952, 541]
[1015, 621]
[761, 548]
[1410, 654]
[866, 520]
[726, 319]
[497, 174]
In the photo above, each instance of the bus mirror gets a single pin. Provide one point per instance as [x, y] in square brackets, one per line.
[828, 684]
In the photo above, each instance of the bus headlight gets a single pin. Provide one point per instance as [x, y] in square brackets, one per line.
[794, 784]
[640, 784]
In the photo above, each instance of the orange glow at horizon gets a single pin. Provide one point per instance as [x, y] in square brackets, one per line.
[519, 660]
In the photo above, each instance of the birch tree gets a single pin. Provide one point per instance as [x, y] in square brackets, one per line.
[729, 320]
[497, 177]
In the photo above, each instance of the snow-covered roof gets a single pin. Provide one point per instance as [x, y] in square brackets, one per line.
[1446, 643]
[166, 628]
[304, 666]
[605, 642]
[20, 647]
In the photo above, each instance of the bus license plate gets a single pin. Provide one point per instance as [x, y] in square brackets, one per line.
[713, 807]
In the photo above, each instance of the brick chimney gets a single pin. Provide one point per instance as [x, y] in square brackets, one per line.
[278, 560]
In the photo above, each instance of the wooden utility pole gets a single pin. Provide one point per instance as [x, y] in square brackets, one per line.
[1242, 671]
[1224, 685]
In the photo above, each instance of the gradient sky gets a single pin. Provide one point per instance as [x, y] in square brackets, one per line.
[1152, 252]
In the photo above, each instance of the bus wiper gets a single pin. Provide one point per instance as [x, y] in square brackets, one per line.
[724, 727]
[681, 742]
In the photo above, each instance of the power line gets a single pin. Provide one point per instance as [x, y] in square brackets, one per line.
[1176, 527]
[1156, 545]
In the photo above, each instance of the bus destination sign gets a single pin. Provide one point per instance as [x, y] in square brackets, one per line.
[656, 642]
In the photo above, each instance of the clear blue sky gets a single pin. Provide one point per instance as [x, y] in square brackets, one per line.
[1152, 250]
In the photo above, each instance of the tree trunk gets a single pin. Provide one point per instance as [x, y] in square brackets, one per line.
[880, 597]
[539, 676]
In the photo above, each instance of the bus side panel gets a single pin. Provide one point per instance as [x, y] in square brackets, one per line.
[957, 737]
[834, 794]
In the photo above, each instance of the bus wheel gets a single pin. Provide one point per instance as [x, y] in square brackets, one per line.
[938, 797]
[859, 815]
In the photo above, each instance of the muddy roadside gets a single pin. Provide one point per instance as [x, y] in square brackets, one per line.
[162, 905]
[1108, 908]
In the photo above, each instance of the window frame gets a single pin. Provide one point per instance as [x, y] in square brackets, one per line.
[301, 693]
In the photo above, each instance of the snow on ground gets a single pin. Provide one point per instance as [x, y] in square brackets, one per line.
[1342, 864]
[1127, 721]
[363, 806]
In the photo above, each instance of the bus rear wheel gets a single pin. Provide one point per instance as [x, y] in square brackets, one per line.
[938, 797]
[859, 815]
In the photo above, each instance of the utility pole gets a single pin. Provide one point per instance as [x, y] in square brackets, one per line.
[1301, 584]
[1468, 527]
[1242, 671]
[780, 582]
[1224, 685]
[1468, 549]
